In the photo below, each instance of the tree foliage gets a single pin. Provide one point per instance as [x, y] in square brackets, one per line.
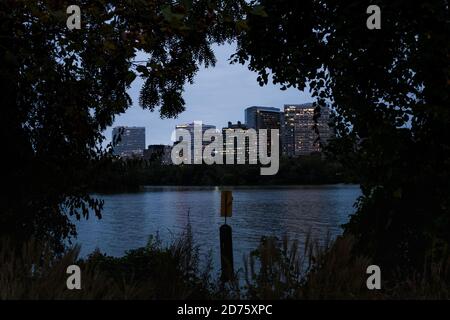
[61, 88]
[390, 90]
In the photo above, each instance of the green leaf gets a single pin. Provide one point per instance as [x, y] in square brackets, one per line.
[259, 11]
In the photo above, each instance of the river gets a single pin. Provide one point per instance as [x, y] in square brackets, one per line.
[129, 218]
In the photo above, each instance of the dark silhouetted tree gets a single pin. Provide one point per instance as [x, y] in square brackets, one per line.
[390, 90]
[61, 88]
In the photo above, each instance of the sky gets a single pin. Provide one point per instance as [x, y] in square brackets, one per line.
[219, 94]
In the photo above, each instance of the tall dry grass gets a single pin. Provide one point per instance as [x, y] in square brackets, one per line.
[277, 269]
[280, 269]
[33, 271]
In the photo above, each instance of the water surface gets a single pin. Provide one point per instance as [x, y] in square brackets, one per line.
[129, 218]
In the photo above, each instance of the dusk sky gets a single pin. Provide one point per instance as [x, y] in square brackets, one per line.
[219, 94]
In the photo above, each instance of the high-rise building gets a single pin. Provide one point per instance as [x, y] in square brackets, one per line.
[298, 134]
[190, 127]
[239, 151]
[258, 117]
[128, 141]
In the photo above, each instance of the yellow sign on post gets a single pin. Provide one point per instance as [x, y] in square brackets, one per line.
[226, 204]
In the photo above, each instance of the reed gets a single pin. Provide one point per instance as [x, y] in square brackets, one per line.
[277, 269]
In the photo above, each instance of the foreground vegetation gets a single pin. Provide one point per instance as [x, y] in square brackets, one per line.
[277, 269]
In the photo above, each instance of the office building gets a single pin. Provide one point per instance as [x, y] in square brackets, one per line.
[258, 117]
[298, 134]
[190, 128]
[128, 142]
[239, 151]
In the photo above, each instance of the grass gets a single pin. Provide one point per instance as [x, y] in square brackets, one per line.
[277, 269]
[327, 271]
[151, 272]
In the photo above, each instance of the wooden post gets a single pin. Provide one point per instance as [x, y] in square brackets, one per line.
[226, 241]
[226, 204]
[226, 252]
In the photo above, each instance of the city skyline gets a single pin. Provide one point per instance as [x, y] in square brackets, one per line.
[294, 123]
[219, 94]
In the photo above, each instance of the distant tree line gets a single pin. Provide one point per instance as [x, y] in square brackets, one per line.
[120, 175]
